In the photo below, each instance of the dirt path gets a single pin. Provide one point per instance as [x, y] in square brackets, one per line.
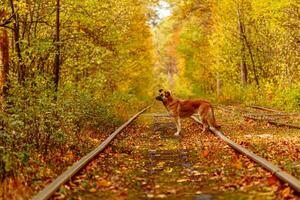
[148, 162]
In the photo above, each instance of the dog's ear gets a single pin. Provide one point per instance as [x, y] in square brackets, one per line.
[167, 93]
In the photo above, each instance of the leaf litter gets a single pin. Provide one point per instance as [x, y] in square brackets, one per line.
[144, 162]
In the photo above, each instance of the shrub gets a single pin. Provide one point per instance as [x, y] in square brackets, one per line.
[36, 122]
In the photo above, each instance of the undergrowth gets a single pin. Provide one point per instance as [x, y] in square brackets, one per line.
[38, 125]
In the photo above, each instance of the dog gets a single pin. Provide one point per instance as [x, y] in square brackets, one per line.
[186, 108]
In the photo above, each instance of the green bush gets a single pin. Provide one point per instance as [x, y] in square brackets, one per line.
[288, 97]
[36, 121]
[269, 94]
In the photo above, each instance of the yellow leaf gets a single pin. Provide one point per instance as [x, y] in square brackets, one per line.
[182, 180]
[103, 183]
[161, 196]
[286, 192]
[251, 165]
[238, 164]
[161, 164]
[150, 195]
[93, 190]
[169, 170]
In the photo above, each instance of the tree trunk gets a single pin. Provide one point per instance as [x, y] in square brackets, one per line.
[21, 66]
[171, 69]
[4, 47]
[252, 60]
[56, 69]
[219, 87]
[245, 43]
[243, 66]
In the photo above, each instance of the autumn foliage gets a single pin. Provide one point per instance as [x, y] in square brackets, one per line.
[71, 71]
[104, 53]
[251, 48]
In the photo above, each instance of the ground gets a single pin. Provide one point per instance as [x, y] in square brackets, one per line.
[147, 162]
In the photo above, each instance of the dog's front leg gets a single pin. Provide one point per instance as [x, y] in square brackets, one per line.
[203, 122]
[203, 128]
[178, 126]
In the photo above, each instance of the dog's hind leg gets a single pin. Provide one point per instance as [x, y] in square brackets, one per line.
[178, 126]
[202, 122]
[203, 119]
[204, 126]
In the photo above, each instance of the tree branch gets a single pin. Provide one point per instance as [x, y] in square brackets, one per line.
[7, 21]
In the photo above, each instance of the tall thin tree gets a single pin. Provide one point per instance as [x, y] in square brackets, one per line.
[56, 69]
[16, 29]
[4, 48]
[243, 65]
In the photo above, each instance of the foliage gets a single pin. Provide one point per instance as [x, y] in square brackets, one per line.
[36, 122]
[106, 58]
[215, 37]
[114, 54]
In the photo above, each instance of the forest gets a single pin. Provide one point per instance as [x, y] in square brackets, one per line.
[245, 51]
[72, 71]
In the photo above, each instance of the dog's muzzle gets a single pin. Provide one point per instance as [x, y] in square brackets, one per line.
[159, 98]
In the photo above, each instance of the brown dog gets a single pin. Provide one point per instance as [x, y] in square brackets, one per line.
[186, 108]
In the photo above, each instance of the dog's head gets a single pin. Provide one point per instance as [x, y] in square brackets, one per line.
[163, 95]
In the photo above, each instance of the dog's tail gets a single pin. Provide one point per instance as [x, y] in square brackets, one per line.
[212, 120]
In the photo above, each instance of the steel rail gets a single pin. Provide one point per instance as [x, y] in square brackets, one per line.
[157, 114]
[265, 109]
[270, 121]
[282, 175]
[47, 192]
[274, 111]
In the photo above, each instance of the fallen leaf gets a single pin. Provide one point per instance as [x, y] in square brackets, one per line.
[182, 180]
[238, 164]
[285, 193]
[72, 184]
[272, 180]
[250, 165]
[169, 170]
[61, 196]
[161, 164]
[124, 193]
[67, 187]
[150, 195]
[205, 153]
[172, 191]
[161, 196]
[103, 183]
[93, 190]
[139, 179]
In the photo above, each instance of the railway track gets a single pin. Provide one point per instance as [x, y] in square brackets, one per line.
[64, 177]
[166, 157]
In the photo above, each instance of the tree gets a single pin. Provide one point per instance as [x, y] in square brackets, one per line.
[248, 45]
[57, 47]
[4, 48]
[243, 66]
[16, 30]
